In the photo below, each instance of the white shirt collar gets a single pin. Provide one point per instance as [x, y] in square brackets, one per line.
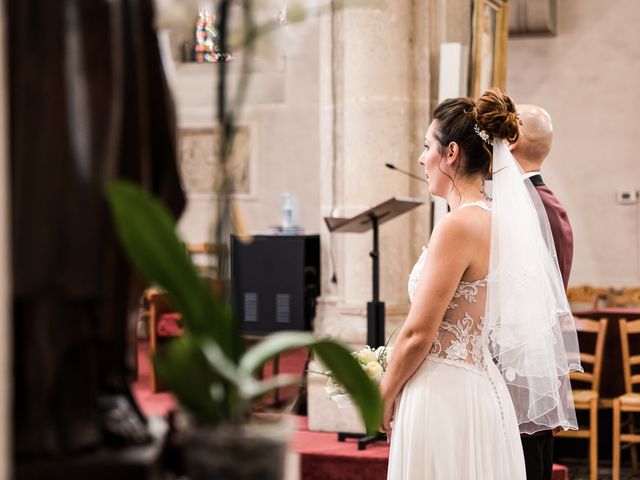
[530, 174]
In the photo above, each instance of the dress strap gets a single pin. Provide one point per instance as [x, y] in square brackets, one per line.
[479, 203]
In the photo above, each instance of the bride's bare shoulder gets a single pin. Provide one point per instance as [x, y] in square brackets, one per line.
[461, 228]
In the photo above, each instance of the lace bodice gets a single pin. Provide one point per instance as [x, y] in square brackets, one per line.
[460, 332]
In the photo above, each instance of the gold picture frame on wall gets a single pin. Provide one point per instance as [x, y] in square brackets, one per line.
[489, 45]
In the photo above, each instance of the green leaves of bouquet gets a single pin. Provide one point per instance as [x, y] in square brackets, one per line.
[205, 367]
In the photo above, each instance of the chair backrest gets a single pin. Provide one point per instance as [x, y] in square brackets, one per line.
[627, 328]
[626, 297]
[585, 297]
[211, 259]
[599, 328]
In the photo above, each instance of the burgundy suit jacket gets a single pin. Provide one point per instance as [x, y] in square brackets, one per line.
[560, 227]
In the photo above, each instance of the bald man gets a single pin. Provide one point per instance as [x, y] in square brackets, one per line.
[530, 151]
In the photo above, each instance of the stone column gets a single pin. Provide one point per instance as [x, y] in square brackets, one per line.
[374, 92]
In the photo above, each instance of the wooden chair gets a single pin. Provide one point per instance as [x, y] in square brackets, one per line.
[587, 399]
[212, 263]
[586, 297]
[625, 298]
[210, 259]
[627, 403]
[159, 304]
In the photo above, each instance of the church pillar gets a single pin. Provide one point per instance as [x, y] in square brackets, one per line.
[374, 95]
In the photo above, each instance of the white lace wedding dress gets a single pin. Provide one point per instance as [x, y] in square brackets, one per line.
[454, 419]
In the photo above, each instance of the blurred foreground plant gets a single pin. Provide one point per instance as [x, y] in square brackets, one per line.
[206, 367]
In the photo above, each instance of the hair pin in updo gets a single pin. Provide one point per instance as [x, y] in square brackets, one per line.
[482, 134]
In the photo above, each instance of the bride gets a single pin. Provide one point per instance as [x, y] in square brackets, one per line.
[487, 348]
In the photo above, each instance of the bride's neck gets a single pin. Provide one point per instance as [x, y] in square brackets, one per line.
[465, 191]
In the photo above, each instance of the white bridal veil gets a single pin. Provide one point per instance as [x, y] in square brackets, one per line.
[530, 329]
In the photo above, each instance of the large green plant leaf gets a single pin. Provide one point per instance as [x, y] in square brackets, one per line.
[363, 391]
[147, 233]
[185, 370]
[218, 361]
[199, 366]
[257, 390]
[336, 357]
[273, 345]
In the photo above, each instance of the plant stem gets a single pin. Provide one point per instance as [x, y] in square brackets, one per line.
[225, 122]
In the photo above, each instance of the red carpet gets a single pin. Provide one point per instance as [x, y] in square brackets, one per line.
[322, 457]
[150, 403]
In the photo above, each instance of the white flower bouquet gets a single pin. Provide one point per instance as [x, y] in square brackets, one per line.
[373, 362]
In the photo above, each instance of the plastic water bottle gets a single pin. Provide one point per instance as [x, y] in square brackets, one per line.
[288, 221]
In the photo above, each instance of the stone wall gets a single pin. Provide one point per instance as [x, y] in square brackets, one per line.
[278, 147]
[587, 77]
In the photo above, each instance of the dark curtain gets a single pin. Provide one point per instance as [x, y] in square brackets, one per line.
[89, 102]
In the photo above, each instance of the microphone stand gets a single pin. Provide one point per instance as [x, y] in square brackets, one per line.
[372, 219]
[391, 166]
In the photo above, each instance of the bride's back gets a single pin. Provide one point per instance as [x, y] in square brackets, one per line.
[477, 216]
[459, 333]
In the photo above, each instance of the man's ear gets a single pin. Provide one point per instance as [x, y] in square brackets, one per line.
[452, 153]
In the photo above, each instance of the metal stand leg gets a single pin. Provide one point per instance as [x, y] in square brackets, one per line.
[276, 371]
[375, 329]
[375, 308]
[363, 439]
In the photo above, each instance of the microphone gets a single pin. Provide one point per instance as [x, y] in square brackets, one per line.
[393, 167]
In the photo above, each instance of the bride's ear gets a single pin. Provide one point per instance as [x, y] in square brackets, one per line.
[452, 153]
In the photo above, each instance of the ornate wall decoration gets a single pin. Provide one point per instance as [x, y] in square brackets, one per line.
[199, 167]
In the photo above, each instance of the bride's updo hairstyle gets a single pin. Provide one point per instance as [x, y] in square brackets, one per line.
[473, 125]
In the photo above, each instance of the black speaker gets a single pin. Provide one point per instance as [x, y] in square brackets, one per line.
[275, 282]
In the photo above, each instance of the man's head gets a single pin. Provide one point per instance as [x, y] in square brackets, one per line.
[536, 135]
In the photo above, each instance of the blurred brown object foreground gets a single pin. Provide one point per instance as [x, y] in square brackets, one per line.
[88, 102]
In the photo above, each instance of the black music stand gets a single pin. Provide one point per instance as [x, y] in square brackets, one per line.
[363, 222]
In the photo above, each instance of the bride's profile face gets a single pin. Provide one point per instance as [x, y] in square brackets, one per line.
[434, 165]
